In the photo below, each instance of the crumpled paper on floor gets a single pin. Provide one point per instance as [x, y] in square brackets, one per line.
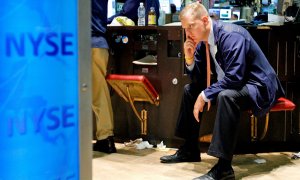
[161, 146]
[138, 144]
[260, 161]
[133, 143]
[296, 155]
[144, 145]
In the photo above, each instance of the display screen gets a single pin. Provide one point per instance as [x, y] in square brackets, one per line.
[225, 13]
[237, 13]
[264, 2]
[39, 90]
[214, 12]
[220, 13]
[165, 6]
[177, 3]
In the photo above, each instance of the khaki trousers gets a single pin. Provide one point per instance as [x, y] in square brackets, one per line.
[101, 97]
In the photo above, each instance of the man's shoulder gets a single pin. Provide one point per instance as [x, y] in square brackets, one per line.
[219, 24]
[223, 28]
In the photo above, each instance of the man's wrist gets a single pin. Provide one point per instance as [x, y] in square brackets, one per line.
[189, 60]
[203, 96]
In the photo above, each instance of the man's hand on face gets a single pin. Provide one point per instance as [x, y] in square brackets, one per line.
[189, 48]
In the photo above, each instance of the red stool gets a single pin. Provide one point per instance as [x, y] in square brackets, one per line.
[135, 88]
[282, 104]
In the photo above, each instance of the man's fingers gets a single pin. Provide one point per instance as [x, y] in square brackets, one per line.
[208, 105]
[200, 109]
[190, 44]
[189, 48]
[196, 115]
[196, 112]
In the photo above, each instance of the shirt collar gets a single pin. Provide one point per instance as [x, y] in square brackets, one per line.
[211, 37]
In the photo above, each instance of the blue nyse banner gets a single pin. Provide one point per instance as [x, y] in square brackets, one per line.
[39, 90]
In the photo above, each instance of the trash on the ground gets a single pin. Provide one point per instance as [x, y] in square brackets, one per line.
[133, 143]
[138, 144]
[144, 145]
[296, 155]
[260, 161]
[161, 145]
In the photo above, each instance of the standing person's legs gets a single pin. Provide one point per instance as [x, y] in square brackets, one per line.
[101, 102]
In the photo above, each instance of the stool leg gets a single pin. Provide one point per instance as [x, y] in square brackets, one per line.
[144, 115]
[253, 128]
[266, 126]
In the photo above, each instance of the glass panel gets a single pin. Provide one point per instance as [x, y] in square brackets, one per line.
[39, 90]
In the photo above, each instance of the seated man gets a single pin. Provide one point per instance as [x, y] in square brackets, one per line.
[245, 80]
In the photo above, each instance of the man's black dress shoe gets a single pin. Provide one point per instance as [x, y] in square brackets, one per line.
[182, 155]
[217, 173]
[106, 145]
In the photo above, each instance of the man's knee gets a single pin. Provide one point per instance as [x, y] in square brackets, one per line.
[225, 95]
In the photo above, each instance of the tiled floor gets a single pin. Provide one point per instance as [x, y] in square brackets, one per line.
[132, 164]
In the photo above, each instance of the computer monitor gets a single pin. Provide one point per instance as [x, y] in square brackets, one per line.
[214, 13]
[237, 12]
[225, 14]
[165, 6]
[177, 3]
[111, 8]
[264, 9]
[265, 2]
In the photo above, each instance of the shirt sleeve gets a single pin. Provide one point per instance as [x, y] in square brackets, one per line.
[203, 96]
[190, 67]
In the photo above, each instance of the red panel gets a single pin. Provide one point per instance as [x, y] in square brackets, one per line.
[283, 104]
[135, 78]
